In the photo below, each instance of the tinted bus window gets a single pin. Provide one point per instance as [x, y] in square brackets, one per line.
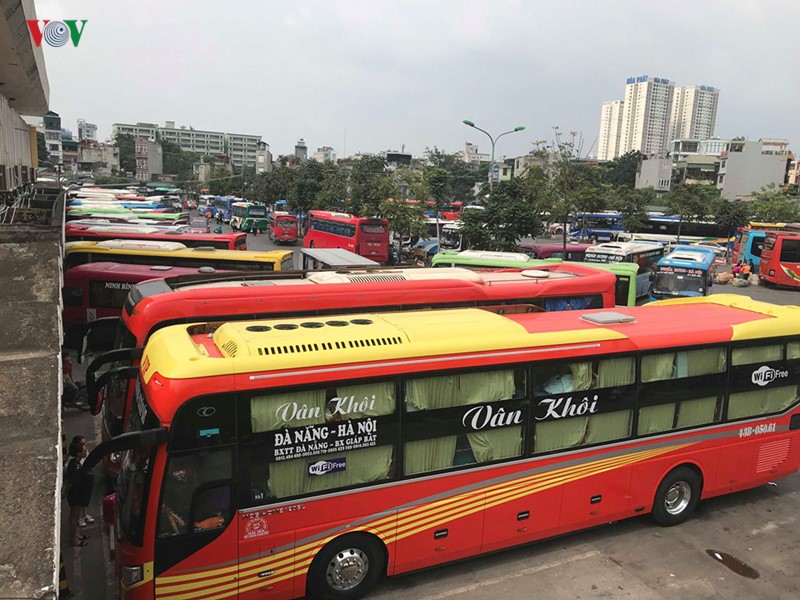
[790, 251]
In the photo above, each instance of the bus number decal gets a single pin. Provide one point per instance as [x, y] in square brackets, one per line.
[758, 429]
[559, 408]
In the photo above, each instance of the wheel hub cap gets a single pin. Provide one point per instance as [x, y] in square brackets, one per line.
[678, 497]
[347, 569]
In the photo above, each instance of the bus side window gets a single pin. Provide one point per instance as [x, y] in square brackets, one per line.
[755, 389]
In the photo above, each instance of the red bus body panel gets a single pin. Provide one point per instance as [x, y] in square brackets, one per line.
[223, 241]
[349, 232]
[780, 259]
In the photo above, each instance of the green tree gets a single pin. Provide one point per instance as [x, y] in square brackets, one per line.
[222, 182]
[632, 204]
[306, 184]
[405, 220]
[773, 205]
[731, 214]
[463, 176]
[41, 148]
[127, 152]
[690, 202]
[333, 188]
[512, 211]
[621, 172]
[370, 185]
[176, 161]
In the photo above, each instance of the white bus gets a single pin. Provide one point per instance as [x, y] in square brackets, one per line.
[644, 254]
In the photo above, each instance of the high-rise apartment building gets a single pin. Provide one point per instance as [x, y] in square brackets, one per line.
[241, 148]
[694, 112]
[610, 130]
[645, 115]
[653, 113]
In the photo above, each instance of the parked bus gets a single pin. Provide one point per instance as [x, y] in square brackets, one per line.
[282, 227]
[244, 215]
[451, 211]
[388, 443]
[481, 260]
[225, 298]
[686, 271]
[175, 254]
[644, 255]
[750, 247]
[780, 259]
[599, 226]
[574, 252]
[102, 213]
[367, 236]
[98, 290]
[223, 208]
[222, 241]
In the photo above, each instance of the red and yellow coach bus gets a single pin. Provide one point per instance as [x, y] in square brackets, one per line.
[169, 301]
[99, 233]
[780, 258]
[366, 236]
[98, 290]
[313, 456]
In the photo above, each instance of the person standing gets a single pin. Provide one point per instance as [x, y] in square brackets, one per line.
[79, 485]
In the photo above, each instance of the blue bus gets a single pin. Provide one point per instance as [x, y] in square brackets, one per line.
[599, 226]
[686, 271]
[750, 246]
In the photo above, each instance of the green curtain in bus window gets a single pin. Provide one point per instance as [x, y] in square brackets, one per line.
[608, 426]
[380, 397]
[614, 372]
[430, 455]
[430, 393]
[268, 413]
[793, 350]
[563, 433]
[697, 412]
[755, 354]
[658, 367]
[653, 419]
[705, 362]
[581, 376]
[291, 477]
[496, 444]
[759, 402]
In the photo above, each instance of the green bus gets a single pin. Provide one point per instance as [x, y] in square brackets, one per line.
[122, 213]
[244, 215]
[482, 259]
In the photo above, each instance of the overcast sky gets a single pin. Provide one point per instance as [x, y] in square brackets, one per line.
[407, 73]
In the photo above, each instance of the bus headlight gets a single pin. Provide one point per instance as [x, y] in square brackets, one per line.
[131, 575]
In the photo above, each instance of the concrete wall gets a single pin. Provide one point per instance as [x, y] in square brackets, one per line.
[15, 148]
[742, 173]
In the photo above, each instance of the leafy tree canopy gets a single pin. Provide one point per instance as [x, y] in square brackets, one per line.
[773, 205]
[621, 172]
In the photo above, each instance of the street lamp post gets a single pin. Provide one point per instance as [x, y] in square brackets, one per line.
[494, 141]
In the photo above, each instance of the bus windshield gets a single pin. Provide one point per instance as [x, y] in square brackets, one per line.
[258, 211]
[671, 283]
[133, 483]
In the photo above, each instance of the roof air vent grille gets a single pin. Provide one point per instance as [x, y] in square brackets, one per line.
[230, 348]
[326, 346]
[375, 278]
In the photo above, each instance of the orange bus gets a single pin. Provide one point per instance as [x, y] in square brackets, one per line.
[313, 456]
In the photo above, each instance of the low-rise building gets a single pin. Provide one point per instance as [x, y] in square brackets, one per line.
[263, 158]
[655, 173]
[749, 165]
[472, 156]
[205, 166]
[325, 154]
[525, 162]
[149, 158]
[97, 158]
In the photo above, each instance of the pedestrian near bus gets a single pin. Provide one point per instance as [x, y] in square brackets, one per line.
[79, 485]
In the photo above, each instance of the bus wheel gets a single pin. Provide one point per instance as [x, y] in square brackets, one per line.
[347, 568]
[677, 497]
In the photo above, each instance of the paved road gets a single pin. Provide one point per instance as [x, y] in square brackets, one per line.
[631, 559]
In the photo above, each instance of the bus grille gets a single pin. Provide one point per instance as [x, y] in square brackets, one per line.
[772, 454]
[230, 348]
[323, 346]
[371, 278]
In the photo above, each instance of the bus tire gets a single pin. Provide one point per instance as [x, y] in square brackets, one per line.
[348, 568]
[677, 496]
